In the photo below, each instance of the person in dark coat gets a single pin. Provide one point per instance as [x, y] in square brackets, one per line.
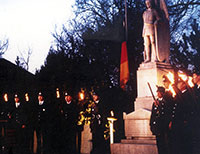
[196, 91]
[9, 138]
[69, 116]
[19, 122]
[159, 121]
[42, 120]
[3, 121]
[97, 125]
[182, 120]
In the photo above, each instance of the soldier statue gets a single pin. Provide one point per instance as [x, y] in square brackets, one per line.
[156, 32]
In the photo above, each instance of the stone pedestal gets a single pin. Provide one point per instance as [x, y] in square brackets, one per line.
[137, 124]
[149, 72]
[139, 139]
[86, 140]
[134, 147]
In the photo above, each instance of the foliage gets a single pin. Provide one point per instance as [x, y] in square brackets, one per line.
[182, 13]
[87, 54]
[186, 52]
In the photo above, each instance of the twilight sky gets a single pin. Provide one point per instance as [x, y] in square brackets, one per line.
[29, 24]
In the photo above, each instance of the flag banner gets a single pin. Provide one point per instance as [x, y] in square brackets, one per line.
[124, 69]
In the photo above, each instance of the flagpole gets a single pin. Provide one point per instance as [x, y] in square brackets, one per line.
[126, 22]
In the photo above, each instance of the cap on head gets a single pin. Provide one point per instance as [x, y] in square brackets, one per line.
[40, 94]
[161, 89]
[67, 94]
[16, 96]
[94, 93]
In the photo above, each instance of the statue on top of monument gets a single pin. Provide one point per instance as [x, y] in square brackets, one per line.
[156, 32]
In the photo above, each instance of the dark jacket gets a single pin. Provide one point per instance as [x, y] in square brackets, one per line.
[160, 117]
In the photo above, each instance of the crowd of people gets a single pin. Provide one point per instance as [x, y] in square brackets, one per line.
[175, 119]
[46, 126]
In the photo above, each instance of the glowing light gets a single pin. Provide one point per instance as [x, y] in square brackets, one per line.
[190, 82]
[26, 97]
[111, 121]
[5, 97]
[187, 79]
[172, 90]
[183, 76]
[57, 93]
[81, 95]
[112, 113]
[170, 76]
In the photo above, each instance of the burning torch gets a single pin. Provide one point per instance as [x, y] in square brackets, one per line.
[5, 97]
[57, 93]
[26, 97]
[187, 79]
[111, 124]
[81, 95]
[170, 76]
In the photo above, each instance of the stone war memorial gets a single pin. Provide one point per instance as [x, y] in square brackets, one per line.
[156, 35]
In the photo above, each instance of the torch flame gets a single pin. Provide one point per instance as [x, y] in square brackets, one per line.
[190, 82]
[81, 96]
[172, 90]
[57, 93]
[112, 113]
[185, 78]
[26, 97]
[5, 97]
[170, 76]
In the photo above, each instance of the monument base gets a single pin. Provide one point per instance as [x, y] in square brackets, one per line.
[139, 138]
[151, 73]
[135, 146]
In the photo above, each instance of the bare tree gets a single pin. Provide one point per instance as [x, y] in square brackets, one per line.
[3, 46]
[25, 58]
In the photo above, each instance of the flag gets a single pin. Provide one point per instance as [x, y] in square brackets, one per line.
[124, 69]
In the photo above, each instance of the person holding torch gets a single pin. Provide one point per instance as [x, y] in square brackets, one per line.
[159, 121]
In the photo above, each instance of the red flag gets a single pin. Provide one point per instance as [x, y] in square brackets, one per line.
[124, 69]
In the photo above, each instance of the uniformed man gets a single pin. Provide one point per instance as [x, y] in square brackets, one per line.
[97, 125]
[19, 122]
[42, 118]
[69, 114]
[159, 121]
[196, 91]
[196, 81]
[182, 121]
[8, 141]
[3, 121]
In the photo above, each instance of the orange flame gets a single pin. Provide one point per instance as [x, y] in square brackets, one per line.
[112, 113]
[190, 82]
[26, 97]
[187, 79]
[5, 97]
[81, 96]
[57, 93]
[183, 76]
[170, 76]
[172, 90]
